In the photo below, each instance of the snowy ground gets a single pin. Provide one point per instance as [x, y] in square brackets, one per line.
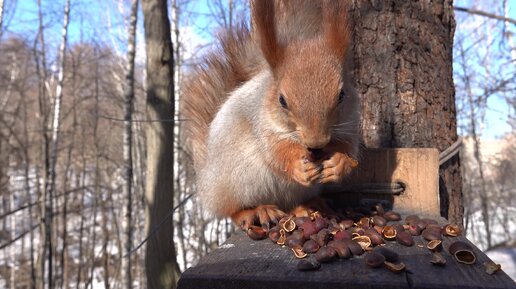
[507, 258]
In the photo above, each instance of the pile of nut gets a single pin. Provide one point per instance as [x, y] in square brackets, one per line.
[353, 234]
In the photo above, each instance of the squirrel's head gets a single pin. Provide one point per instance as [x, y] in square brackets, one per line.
[311, 94]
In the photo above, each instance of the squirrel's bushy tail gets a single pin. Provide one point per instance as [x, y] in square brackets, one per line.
[235, 61]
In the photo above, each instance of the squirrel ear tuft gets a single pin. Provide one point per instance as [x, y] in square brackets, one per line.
[265, 27]
[336, 27]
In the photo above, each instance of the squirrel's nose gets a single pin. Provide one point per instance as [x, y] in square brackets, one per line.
[316, 142]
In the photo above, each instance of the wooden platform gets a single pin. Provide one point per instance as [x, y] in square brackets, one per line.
[244, 263]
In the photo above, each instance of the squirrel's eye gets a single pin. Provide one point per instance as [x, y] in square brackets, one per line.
[282, 101]
[341, 96]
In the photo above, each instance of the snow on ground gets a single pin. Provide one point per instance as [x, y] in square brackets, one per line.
[507, 258]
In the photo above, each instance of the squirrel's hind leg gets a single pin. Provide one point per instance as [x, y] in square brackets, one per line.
[262, 215]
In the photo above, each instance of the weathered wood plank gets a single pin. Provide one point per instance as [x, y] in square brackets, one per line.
[244, 263]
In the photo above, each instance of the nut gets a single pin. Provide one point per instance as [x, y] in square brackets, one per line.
[346, 224]
[392, 216]
[395, 267]
[432, 233]
[308, 229]
[492, 267]
[274, 234]
[452, 230]
[320, 223]
[404, 238]
[342, 235]
[256, 233]
[389, 233]
[375, 237]
[463, 252]
[325, 254]
[411, 219]
[354, 247]
[374, 260]
[342, 249]
[435, 245]
[308, 265]
[363, 241]
[295, 239]
[379, 221]
[298, 252]
[311, 246]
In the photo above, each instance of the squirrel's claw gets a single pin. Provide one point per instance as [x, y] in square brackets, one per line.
[263, 214]
[336, 168]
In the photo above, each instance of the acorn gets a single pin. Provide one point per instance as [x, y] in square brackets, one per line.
[463, 252]
[374, 260]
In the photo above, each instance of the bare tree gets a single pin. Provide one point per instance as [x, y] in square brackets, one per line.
[128, 145]
[160, 260]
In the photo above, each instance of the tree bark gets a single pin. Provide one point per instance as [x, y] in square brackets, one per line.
[403, 69]
[128, 145]
[160, 259]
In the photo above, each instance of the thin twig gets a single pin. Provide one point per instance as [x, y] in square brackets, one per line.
[486, 14]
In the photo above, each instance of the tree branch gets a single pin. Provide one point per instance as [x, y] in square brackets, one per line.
[485, 14]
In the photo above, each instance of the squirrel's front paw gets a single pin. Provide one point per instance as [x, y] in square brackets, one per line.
[336, 168]
[306, 172]
[264, 214]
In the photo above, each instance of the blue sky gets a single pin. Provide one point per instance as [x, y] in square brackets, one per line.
[102, 21]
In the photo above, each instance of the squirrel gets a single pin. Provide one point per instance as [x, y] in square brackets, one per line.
[271, 115]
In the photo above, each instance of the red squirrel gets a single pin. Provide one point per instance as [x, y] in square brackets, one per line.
[272, 115]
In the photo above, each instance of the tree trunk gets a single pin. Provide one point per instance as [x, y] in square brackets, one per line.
[160, 259]
[403, 69]
[128, 145]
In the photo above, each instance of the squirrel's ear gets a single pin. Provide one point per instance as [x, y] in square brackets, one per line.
[336, 26]
[265, 27]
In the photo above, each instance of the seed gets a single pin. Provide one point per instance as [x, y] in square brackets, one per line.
[295, 239]
[395, 267]
[311, 246]
[389, 233]
[341, 247]
[298, 252]
[492, 267]
[308, 265]
[463, 252]
[379, 221]
[392, 216]
[320, 223]
[363, 241]
[345, 224]
[404, 238]
[300, 220]
[354, 247]
[432, 233]
[411, 219]
[341, 235]
[435, 245]
[308, 229]
[325, 254]
[415, 230]
[376, 238]
[323, 236]
[256, 233]
[378, 208]
[289, 225]
[282, 238]
[452, 230]
[374, 260]
[274, 234]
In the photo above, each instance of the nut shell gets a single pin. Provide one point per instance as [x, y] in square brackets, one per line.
[308, 265]
[463, 252]
[374, 260]
[395, 267]
[404, 238]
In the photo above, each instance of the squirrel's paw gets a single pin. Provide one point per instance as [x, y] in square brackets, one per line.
[306, 172]
[336, 168]
[263, 214]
